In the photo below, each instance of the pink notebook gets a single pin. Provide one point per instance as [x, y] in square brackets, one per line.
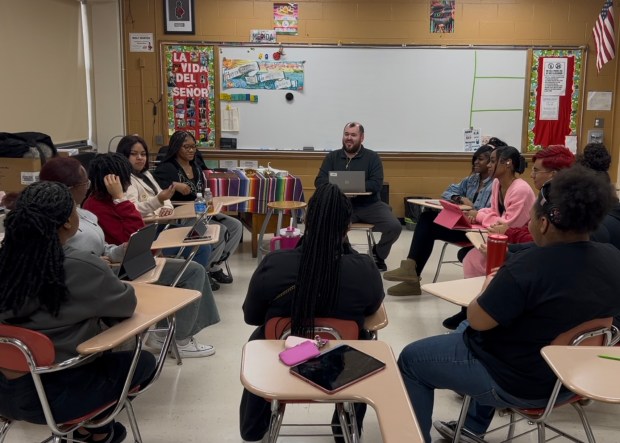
[452, 217]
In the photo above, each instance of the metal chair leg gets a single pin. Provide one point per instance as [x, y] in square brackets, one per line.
[227, 269]
[584, 421]
[133, 422]
[461, 421]
[5, 424]
[443, 251]
[263, 229]
[275, 421]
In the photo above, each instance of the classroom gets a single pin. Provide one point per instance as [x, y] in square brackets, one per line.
[352, 54]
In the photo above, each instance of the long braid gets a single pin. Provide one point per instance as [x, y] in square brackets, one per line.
[318, 280]
[31, 256]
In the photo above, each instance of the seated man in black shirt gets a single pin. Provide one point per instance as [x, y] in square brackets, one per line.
[536, 295]
[366, 208]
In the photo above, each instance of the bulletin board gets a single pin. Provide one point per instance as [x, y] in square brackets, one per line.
[563, 121]
[413, 99]
[189, 90]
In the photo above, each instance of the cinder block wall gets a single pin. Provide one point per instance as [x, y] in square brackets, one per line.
[478, 22]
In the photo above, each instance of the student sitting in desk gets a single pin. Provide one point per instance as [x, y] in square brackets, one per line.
[536, 295]
[90, 238]
[66, 294]
[366, 208]
[475, 191]
[547, 163]
[182, 168]
[150, 200]
[321, 277]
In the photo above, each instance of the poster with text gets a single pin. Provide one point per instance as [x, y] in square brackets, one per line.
[189, 86]
[285, 18]
[259, 74]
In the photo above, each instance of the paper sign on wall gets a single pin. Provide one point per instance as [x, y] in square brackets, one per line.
[471, 139]
[140, 42]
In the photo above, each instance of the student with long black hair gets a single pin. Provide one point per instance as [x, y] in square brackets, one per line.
[322, 277]
[65, 294]
[182, 169]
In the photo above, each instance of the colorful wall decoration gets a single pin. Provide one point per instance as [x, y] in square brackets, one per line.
[189, 91]
[546, 131]
[259, 74]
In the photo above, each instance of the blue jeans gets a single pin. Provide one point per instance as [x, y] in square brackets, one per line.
[445, 362]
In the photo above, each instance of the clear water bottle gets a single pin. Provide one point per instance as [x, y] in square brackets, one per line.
[200, 205]
[208, 198]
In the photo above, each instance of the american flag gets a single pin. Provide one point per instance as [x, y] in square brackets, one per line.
[604, 35]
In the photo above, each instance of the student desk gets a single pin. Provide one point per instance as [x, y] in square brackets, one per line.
[581, 370]
[173, 238]
[460, 292]
[154, 304]
[182, 212]
[263, 374]
[432, 203]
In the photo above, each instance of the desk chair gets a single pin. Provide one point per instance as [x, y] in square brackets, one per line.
[280, 207]
[597, 332]
[443, 251]
[25, 350]
[367, 228]
[279, 328]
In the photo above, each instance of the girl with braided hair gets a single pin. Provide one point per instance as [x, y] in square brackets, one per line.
[110, 176]
[322, 277]
[47, 286]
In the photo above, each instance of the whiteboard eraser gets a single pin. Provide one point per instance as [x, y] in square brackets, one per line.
[308, 148]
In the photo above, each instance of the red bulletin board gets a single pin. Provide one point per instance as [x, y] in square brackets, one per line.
[188, 86]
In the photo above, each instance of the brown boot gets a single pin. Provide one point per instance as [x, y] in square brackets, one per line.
[406, 272]
[404, 289]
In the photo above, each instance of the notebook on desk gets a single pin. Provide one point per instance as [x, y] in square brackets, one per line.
[452, 217]
[138, 258]
[349, 181]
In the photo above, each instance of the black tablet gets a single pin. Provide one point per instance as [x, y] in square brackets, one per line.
[198, 231]
[337, 368]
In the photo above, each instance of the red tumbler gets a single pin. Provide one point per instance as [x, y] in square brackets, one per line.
[496, 251]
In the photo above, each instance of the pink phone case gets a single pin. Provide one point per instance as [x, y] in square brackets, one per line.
[300, 353]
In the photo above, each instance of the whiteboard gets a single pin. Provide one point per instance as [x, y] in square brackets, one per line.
[408, 99]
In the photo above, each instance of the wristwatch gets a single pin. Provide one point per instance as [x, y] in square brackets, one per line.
[116, 201]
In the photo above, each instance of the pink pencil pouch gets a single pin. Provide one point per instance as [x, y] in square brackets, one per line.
[300, 353]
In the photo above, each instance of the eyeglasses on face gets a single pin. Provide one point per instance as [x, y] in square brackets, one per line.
[189, 147]
[536, 171]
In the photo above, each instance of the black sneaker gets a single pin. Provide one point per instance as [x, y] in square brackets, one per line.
[381, 266]
[214, 285]
[453, 322]
[220, 277]
[447, 430]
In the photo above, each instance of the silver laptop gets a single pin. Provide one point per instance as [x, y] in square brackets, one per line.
[349, 181]
[138, 258]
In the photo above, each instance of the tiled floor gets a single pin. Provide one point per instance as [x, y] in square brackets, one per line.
[198, 401]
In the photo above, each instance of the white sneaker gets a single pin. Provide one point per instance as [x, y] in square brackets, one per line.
[154, 342]
[193, 349]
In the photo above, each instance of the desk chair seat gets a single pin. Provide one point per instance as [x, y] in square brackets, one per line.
[367, 228]
[279, 328]
[443, 251]
[597, 332]
[280, 207]
[25, 350]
